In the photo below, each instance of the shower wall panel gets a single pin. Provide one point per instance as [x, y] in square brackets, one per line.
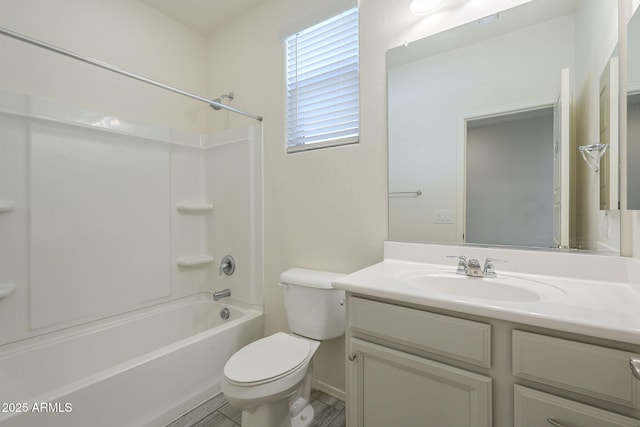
[189, 233]
[13, 224]
[99, 222]
[234, 184]
[97, 229]
[111, 215]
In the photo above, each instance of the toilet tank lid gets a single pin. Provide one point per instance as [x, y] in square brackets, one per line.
[310, 278]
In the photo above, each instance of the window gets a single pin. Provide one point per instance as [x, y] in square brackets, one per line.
[323, 84]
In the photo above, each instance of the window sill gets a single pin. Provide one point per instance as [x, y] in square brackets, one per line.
[319, 145]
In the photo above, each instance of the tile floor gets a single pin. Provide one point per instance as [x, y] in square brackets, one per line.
[217, 412]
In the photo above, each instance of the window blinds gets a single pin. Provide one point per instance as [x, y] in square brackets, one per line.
[323, 84]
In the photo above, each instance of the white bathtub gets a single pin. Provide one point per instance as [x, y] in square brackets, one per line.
[141, 369]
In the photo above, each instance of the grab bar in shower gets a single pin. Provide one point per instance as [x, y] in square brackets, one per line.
[406, 193]
[109, 67]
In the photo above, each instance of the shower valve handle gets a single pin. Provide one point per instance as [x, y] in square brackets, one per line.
[228, 265]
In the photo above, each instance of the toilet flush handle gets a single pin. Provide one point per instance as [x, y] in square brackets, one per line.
[284, 286]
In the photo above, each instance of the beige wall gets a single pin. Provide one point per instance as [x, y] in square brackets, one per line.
[324, 209]
[124, 33]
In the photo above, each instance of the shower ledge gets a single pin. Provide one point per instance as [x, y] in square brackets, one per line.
[194, 208]
[194, 261]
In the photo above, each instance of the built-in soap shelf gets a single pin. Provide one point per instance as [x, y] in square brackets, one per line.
[194, 208]
[194, 261]
[7, 206]
[6, 289]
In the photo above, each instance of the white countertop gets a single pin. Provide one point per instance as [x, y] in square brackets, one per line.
[598, 308]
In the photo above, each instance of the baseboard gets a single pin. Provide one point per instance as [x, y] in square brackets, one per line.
[330, 390]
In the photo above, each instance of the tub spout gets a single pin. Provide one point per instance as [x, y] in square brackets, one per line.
[221, 294]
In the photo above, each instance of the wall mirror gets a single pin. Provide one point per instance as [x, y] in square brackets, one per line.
[633, 112]
[484, 129]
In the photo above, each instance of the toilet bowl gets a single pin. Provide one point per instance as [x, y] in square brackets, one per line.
[271, 373]
[270, 379]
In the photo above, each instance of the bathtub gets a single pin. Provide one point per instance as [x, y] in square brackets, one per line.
[141, 369]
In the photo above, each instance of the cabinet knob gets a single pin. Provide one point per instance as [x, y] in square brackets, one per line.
[352, 357]
[634, 364]
[554, 423]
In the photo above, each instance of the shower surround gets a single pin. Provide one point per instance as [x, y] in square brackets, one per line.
[105, 218]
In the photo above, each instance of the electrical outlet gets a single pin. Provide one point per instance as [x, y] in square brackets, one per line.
[443, 217]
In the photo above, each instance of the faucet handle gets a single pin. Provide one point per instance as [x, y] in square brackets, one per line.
[474, 263]
[462, 263]
[228, 265]
[489, 270]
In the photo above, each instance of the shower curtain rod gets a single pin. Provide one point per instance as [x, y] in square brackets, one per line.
[109, 67]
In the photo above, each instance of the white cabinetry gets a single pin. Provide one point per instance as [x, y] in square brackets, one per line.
[534, 408]
[399, 389]
[592, 370]
[588, 370]
[413, 366]
[389, 386]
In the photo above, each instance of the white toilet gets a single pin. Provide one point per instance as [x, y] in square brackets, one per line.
[270, 379]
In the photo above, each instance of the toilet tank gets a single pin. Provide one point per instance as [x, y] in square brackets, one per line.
[314, 308]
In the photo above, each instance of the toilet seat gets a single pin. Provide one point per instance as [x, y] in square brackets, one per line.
[267, 359]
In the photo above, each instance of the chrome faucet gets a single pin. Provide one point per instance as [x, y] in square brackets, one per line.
[489, 270]
[221, 294]
[462, 263]
[472, 267]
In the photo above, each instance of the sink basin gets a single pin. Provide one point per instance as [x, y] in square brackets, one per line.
[502, 288]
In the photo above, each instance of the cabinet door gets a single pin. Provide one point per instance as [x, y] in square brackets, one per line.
[534, 408]
[388, 387]
[591, 370]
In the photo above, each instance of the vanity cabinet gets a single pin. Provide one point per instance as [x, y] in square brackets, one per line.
[416, 366]
[389, 384]
[588, 370]
[396, 388]
[534, 408]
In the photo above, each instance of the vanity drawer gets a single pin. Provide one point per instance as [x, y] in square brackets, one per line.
[459, 339]
[587, 369]
[536, 409]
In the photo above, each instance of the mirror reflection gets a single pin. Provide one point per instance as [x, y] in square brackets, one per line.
[483, 140]
[603, 157]
[633, 112]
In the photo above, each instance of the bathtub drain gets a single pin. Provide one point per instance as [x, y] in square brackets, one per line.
[225, 313]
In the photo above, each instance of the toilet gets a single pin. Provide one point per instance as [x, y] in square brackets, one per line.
[270, 379]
